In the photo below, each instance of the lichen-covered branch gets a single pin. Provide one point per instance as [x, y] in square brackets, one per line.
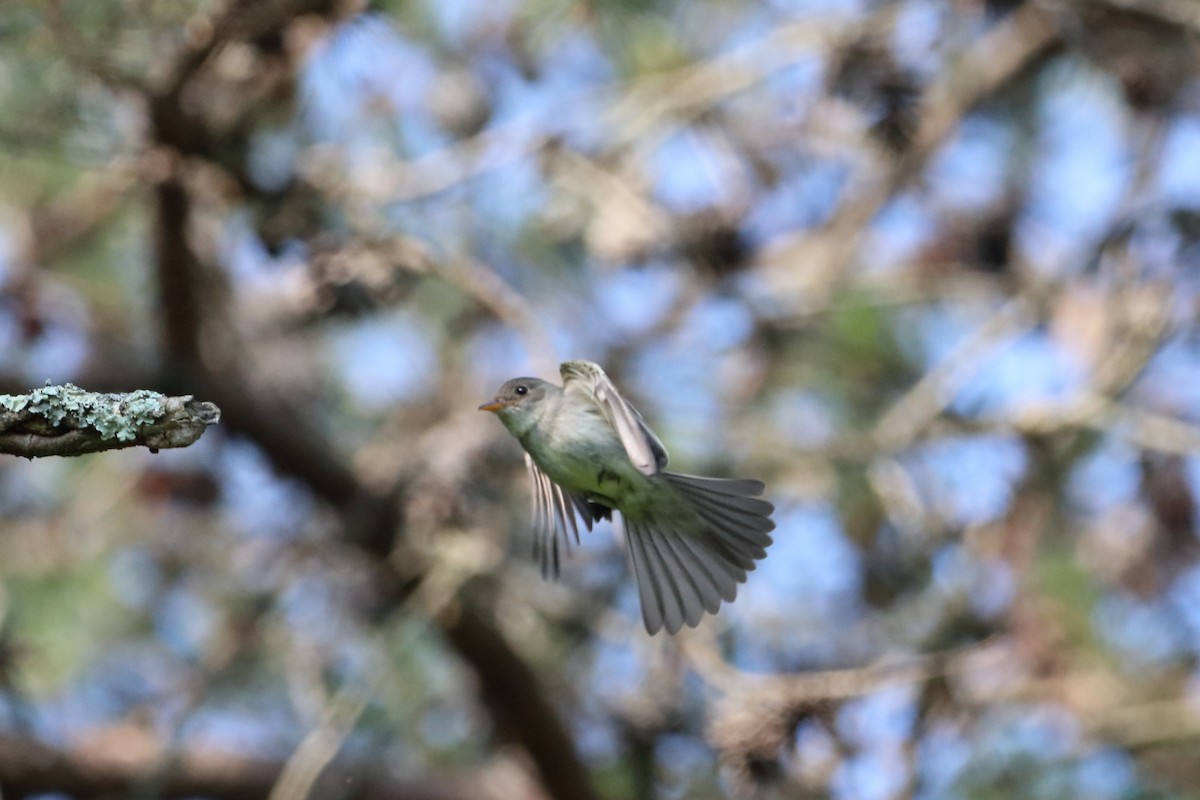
[69, 421]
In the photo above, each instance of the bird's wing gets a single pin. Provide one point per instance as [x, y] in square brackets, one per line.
[641, 445]
[553, 516]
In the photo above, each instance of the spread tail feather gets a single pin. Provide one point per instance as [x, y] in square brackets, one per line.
[686, 565]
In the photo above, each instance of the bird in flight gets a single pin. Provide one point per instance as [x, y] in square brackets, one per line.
[589, 452]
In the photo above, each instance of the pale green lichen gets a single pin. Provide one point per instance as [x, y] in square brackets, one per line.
[114, 416]
[14, 402]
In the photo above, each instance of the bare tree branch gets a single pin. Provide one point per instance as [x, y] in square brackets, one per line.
[68, 421]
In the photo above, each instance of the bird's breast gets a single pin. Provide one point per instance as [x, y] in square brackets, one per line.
[582, 453]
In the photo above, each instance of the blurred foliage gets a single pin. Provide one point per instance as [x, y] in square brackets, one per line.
[928, 268]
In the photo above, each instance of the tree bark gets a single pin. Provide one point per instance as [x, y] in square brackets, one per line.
[68, 421]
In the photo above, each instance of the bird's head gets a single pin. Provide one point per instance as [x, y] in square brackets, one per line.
[518, 403]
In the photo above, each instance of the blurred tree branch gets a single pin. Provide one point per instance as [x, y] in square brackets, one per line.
[372, 515]
[982, 69]
[519, 707]
[758, 712]
[68, 421]
[117, 763]
[1183, 13]
[321, 745]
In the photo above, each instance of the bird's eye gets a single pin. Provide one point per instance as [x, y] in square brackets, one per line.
[521, 390]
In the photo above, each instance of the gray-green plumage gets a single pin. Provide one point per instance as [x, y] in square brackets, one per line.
[691, 539]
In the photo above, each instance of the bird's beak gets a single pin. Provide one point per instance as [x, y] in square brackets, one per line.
[491, 405]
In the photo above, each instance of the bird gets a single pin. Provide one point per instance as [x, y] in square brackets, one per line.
[691, 539]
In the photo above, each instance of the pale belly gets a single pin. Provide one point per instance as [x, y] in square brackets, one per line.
[590, 461]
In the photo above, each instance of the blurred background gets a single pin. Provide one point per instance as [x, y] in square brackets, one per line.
[928, 268]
